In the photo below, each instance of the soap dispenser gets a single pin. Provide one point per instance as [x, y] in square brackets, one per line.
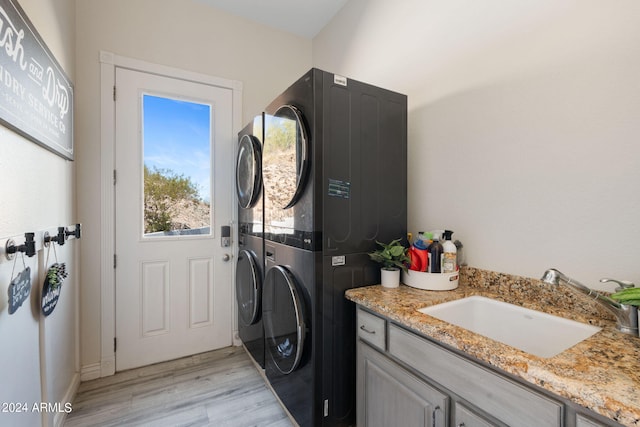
[449, 254]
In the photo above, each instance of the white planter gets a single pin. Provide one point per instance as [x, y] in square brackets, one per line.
[390, 278]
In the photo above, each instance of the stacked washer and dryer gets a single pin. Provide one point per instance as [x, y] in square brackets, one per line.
[334, 182]
[250, 260]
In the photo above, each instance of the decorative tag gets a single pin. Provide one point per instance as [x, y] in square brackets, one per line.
[339, 188]
[338, 260]
[52, 286]
[19, 290]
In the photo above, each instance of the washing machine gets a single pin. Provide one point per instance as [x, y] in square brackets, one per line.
[249, 287]
[289, 313]
[310, 356]
[250, 259]
[333, 163]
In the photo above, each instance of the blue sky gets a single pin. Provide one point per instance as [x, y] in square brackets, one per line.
[177, 137]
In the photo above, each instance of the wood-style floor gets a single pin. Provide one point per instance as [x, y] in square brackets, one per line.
[220, 388]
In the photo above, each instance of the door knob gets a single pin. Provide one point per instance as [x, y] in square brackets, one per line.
[226, 257]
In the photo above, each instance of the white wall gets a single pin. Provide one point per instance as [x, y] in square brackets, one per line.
[38, 355]
[181, 34]
[523, 124]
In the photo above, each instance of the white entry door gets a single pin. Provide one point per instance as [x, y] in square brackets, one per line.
[174, 168]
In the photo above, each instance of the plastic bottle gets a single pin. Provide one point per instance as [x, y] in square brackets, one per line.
[461, 260]
[435, 255]
[420, 252]
[449, 254]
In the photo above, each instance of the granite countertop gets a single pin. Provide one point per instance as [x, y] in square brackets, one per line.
[602, 373]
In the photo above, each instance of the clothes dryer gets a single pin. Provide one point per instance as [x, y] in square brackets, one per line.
[249, 188]
[334, 165]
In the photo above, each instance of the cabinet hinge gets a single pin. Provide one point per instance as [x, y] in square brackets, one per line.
[115, 260]
[326, 407]
[114, 177]
[115, 344]
[114, 93]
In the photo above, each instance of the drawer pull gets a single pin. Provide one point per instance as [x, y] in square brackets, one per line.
[364, 328]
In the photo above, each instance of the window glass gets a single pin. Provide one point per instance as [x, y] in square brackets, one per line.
[176, 138]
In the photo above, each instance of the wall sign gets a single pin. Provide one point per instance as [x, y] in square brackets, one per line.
[36, 96]
[52, 287]
[19, 290]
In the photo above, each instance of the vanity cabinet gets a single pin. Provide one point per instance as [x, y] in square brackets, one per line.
[404, 379]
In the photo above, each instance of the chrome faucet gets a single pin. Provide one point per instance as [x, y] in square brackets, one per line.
[626, 315]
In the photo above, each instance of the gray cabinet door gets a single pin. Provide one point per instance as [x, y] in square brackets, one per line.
[388, 395]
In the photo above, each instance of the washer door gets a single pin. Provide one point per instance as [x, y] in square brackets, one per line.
[248, 171]
[248, 288]
[285, 156]
[283, 317]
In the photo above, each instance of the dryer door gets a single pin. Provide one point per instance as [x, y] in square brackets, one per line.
[248, 171]
[285, 156]
[283, 316]
[248, 288]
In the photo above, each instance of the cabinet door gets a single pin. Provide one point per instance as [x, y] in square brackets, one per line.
[388, 395]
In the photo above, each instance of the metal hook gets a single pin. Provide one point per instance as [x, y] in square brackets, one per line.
[76, 232]
[28, 248]
[62, 236]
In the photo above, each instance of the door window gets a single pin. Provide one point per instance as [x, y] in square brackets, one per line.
[176, 137]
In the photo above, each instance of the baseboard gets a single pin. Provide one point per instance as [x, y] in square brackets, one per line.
[60, 417]
[90, 372]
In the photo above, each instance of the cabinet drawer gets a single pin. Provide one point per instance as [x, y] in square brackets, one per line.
[464, 416]
[506, 400]
[371, 329]
[583, 421]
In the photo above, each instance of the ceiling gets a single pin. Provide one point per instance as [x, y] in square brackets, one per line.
[302, 17]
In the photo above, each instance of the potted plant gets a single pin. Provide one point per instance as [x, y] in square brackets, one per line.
[393, 257]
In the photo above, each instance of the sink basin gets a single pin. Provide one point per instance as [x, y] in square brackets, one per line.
[532, 331]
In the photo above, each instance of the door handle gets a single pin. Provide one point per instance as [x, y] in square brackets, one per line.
[226, 257]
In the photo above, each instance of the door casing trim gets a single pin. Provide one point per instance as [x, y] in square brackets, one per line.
[108, 64]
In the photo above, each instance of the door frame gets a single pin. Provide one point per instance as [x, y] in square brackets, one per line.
[108, 64]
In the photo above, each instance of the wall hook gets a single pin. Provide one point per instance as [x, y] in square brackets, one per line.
[62, 236]
[59, 238]
[76, 232]
[28, 248]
